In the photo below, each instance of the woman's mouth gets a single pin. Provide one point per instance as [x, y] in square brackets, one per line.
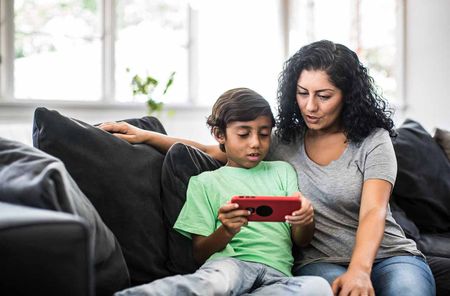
[312, 119]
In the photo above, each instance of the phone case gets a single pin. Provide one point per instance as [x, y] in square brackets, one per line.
[267, 208]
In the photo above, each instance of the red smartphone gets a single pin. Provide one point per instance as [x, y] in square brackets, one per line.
[267, 208]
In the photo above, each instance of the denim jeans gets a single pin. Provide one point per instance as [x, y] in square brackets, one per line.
[231, 276]
[398, 275]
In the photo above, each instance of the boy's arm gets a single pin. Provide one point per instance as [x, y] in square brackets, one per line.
[160, 141]
[232, 220]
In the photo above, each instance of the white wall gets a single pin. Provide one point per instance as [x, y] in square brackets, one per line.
[427, 84]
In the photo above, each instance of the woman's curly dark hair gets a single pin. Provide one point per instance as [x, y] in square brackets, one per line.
[363, 108]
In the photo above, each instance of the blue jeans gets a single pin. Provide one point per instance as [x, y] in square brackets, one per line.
[231, 276]
[398, 275]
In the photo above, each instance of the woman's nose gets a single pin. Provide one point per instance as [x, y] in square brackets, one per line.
[311, 104]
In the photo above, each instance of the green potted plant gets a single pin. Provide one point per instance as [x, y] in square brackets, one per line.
[146, 86]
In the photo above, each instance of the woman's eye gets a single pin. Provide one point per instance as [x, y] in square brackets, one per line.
[242, 135]
[300, 93]
[324, 97]
[263, 135]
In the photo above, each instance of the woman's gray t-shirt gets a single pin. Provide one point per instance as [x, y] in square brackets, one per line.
[335, 193]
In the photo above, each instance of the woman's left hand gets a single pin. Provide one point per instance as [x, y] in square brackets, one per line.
[354, 282]
[304, 215]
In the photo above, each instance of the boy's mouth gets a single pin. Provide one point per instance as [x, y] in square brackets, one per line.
[253, 156]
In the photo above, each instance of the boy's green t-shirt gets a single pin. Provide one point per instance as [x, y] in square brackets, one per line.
[263, 242]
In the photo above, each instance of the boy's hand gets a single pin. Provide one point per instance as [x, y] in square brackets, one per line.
[232, 219]
[125, 131]
[305, 215]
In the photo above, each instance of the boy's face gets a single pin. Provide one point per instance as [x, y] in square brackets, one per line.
[247, 142]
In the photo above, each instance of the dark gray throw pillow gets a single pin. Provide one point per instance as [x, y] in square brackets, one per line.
[120, 179]
[33, 178]
[422, 188]
[181, 163]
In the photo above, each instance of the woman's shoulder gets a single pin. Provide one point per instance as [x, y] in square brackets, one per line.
[376, 137]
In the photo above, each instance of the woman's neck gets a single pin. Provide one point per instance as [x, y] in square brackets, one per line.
[324, 133]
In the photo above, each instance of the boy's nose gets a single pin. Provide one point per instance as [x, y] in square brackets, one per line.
[254, 141]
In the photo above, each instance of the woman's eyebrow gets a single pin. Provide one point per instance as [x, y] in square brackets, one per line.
[319, 90]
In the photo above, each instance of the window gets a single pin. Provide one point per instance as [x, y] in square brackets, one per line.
[152, 39]
[57, 47]
[240, 44]
[88, 50]
[371, 28]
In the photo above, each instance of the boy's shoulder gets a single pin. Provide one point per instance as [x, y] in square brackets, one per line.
[278, 164]
[272, 165]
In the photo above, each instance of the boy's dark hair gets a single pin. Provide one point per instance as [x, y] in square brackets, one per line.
[237, 104]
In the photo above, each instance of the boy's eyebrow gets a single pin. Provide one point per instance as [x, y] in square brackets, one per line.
[319, 90]
[249, 127]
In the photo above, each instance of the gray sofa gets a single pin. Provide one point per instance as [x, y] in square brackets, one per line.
[120, 202]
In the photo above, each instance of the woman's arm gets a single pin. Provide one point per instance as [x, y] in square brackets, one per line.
[232, 220]
[160, 141]
[302, 222]
[372, 217]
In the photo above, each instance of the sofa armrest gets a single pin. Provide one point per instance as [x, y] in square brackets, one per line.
[44, 253]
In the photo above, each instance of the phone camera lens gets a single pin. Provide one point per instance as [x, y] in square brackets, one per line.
[264, 211]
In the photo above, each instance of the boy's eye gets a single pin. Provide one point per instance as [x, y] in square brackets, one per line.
[243, 135]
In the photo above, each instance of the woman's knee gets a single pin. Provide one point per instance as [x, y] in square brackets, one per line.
[403, 275]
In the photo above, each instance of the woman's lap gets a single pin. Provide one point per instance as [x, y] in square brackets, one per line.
[398, 275]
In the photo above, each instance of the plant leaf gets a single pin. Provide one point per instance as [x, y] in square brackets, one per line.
[169, 82]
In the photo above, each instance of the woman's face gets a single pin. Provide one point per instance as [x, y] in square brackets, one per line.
[319, 100]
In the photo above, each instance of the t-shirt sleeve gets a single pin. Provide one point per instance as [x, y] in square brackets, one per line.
[197, 215]
[381, 162]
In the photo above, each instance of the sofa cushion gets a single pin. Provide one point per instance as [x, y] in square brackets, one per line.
[408, 226]
[440, 266]
[121, 180]
[422, 188]
[442, 137]
[33, 178]
[181, 162]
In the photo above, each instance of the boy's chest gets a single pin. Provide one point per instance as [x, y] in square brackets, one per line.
[223, 189]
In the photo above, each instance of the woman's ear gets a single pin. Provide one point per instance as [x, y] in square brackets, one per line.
[218, 135]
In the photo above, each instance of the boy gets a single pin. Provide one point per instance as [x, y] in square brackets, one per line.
[241, 257]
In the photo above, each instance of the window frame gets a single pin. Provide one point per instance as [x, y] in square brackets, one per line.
[107, 100]
[108, 36]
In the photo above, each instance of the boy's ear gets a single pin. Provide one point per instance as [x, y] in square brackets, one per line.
[218, 135]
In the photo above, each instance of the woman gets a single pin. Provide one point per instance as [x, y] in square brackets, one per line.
[335, 130]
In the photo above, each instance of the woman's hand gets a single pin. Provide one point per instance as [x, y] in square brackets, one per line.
[232, 219]
[354, 282]
[125, 131]
[303, 216]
